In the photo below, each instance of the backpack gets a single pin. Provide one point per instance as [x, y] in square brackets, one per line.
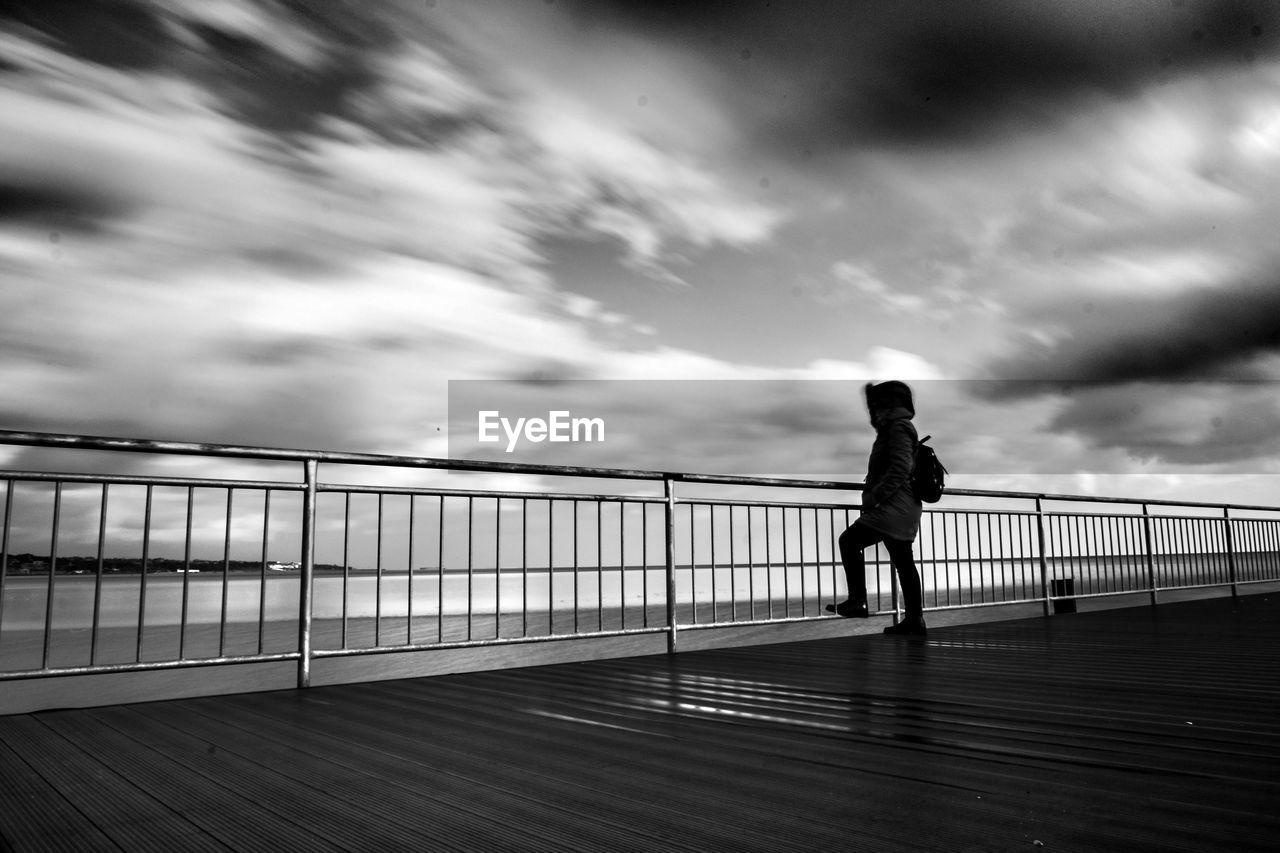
[929, 475]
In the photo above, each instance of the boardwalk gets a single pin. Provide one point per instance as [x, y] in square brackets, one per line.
[1150, 728]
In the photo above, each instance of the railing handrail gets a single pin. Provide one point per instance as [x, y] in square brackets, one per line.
[275, 454]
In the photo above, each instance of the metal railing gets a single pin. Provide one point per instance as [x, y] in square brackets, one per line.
[110, 572]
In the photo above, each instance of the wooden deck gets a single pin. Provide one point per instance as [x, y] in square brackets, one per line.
[1140, 729]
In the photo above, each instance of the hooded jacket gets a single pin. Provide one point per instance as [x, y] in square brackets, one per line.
[888, 504]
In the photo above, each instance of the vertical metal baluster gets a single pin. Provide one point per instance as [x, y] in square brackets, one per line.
[1268, 535]
[53, 570]
[142, 581]
[97, 583]
[1213, 550]
[835, 556]
[1125, 543]
[1264, 538]
[1003, 524]
[600, 565]
[1191, 550]
[1194, 559]
[440, 577]
[1150, 555]
[946, 564]
[1083, 529]
[1096, 557]
[644, 562]
[576, 599]
[934, 519]
[1177, 551]
[1187, 530]
[346, 565]
[968, 552]
[1044, 562]
[622, 562]
[1124, 553]
[817, 539]
[497, 569]
[306, 602]
[186, 574]
[1195, 551]
[226, 577]
[1185, 549]
[1210, 568]
[733, 570]
[1229, 541]
[1255, 567]
[262, 570]
[524, 567]
[1018, 555]
[1239, 530]
[1256, 547]
[377, 600]
[693, 565]
[413, 505]
[817, 561]
[751, 562]
[786, 568]
[1080, 529]
[990, 551]
[551, 566]
[1026, 550]
[471, 574]
[1107, 553]
[715, 602]
[1068, 547]
[804, 589]
[1135, 547]
[768, 561]
[668, 487]
[4, 544]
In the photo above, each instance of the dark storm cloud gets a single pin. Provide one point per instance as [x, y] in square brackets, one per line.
[1218, 333]
[1193, 423]
[835, 72]
[1178, 380]
[256, 80]
[114, 33]
[54, 207]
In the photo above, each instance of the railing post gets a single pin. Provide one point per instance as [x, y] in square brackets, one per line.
[1044, 562]
[1151, 567]
[669, 489]
[1231, 552]
[308, 573]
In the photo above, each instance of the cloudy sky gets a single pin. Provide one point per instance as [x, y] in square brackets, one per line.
[296, 223]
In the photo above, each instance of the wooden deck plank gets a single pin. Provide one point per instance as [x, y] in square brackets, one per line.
[1143, 729]
[137, 820]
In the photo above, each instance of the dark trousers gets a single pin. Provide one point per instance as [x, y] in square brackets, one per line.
[858, 537]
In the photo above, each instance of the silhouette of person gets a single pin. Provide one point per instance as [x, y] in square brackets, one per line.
[890, 510]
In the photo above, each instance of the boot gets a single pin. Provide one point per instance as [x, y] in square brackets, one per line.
[850, 609]
[911, 626]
